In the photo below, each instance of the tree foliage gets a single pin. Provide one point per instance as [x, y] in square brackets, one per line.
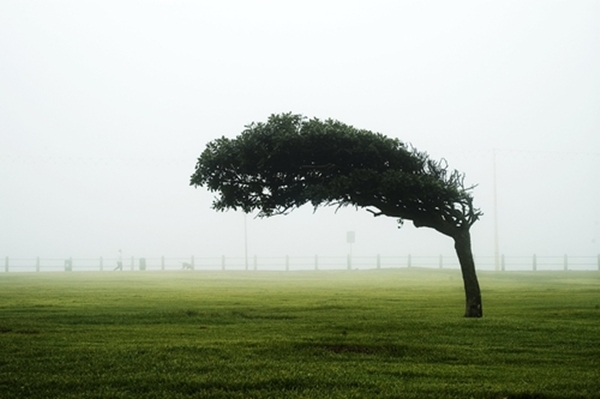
[290, 160]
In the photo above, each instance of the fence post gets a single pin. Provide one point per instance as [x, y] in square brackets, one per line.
[193, 263]
[37, 264]
[223, 262]
[6, 264]
[409, 264]
[317, 262]
[502, 263]
[441, 261]
[598, 263]
[132, 264]
[142, 262]
[69, 265]
[255, 264]
[378, 261]
[349, 262]
[162, 262]
[287, 263]
[566, 263]
[534, 262]
[101, 264]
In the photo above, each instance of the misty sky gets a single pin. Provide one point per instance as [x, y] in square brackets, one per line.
[105, 106]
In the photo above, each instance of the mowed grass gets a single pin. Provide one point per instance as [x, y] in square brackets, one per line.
[343, 334]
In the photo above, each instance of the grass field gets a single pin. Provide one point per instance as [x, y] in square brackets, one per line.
[359, 334]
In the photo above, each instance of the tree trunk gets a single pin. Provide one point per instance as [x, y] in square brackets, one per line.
[462, 244]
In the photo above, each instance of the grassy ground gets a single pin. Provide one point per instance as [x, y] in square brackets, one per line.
[381, 333]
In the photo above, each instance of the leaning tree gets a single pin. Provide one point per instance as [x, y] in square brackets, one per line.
[290, 160]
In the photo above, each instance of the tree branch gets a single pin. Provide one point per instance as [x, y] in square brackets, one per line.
[375, 214]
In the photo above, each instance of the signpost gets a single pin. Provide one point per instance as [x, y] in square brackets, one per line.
[350, 239]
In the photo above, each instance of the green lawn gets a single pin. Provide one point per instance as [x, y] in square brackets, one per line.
[343, 334]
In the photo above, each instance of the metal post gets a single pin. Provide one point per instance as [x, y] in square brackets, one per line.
[223, 262]
[162, 263]
[245, 241]
[378, 261]
[317, 262]
[6, 264]
[503, 263]
[566, 263]
[287, 263]
[441, 261]
[132, 264]
[255, 263]
[534, 262]
[101, 264]
[350, 238]
[193, 263]
[496, 245]
[37, 264]
[409, 264]
[598, 263]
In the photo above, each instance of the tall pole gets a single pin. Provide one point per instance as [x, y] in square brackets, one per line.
[350, 238]
[496, 245]
[246, 240]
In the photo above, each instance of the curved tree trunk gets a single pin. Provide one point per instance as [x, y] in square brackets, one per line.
[462, 244]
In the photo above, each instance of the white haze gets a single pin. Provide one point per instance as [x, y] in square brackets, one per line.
[105, 106]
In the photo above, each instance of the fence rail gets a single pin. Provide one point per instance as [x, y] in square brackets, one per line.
[297, 263]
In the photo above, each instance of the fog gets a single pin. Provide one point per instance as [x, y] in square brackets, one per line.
[105, 107]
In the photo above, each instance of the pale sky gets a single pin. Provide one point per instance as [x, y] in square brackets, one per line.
[105, 106]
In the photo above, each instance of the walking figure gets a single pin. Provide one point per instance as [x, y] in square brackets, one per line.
[119, 262]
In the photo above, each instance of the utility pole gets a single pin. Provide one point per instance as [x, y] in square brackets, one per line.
[350, 238]
[246, 240]
[496, 245]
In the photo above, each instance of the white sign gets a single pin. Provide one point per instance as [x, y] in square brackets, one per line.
[350, 237]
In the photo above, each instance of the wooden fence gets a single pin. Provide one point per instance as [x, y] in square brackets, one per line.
[297, 263]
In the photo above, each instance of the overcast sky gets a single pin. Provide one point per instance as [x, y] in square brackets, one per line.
[105, 106]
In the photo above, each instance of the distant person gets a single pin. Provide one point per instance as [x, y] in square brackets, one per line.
[119, 262]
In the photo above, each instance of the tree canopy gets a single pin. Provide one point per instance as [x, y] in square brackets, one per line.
[288, 161]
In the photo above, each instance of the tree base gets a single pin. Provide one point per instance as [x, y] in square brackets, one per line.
[474, 311]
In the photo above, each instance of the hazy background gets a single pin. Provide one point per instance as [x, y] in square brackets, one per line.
[105, 106]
